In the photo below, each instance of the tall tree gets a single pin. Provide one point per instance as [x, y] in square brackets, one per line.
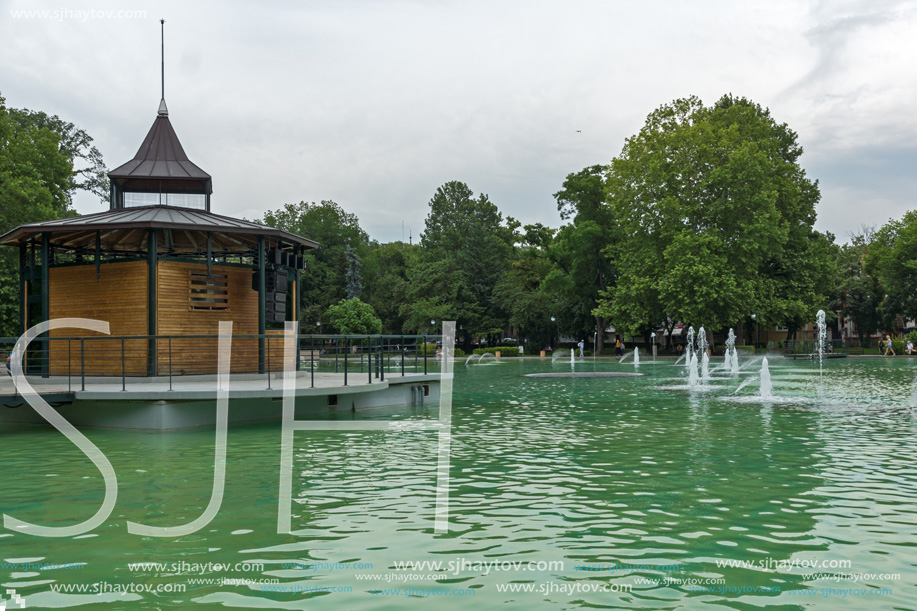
[89, 173]
[580, 249]
[522, 291]
[337, 232]
[713, 204]
[386, 269]
[35, 185]
[892, 260]
[859, 293]
[465, 249]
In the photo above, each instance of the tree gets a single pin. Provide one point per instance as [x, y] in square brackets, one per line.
[386, 268]
[580, 249]
[859, 293]
[522, 292]
[715, 211]
[324, 282]
[465, 249]
[353, 317]
[892, 260]
[35, 185]
[88, 167]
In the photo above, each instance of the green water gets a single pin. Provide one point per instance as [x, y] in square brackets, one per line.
[640, 482]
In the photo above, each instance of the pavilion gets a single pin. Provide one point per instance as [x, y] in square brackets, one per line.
[162, 270]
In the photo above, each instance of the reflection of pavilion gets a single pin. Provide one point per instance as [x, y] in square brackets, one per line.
[157, 263]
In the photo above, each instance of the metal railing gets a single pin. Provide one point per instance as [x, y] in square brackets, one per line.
[165, 357]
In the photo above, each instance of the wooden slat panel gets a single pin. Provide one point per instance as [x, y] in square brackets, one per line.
[175, 317]
[119, 298]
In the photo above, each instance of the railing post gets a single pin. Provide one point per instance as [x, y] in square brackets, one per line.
[312, 357]
[402, 356]
[369, 361]
[123, 379]
[425, 355]
[267, 340]
[415, 354]
[382, 364]
[82, 364]
[345, 360]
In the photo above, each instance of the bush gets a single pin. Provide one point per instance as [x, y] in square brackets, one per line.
[503, 350]
[898, 346]
[430, 350]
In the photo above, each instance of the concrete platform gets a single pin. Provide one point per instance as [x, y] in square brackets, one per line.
[147, 403]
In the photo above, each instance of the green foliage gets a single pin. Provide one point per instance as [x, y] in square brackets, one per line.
[324, 282]
[503, 350]
[859, 291]
[579, 251]
[718, 218]
[427, 349]
[898, 346]
[386, 268]
[353, 317]
[522, 292]
[36, 182]
[88, 167]
[465, 249]
[893, 260]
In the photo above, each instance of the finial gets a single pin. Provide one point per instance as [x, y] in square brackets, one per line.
[163, 111]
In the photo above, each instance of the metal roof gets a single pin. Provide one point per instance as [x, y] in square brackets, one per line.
[186, 228]
[161, 156]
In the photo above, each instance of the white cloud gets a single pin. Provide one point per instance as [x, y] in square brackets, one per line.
[375, 104]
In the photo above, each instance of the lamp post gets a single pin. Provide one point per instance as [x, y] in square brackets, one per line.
[557, 329]
[754, 317]
[653, 340]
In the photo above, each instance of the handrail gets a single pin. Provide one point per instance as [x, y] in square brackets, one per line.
[166, 356]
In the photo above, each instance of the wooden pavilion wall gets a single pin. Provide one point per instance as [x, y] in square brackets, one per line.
[119, 297]
[175, 317]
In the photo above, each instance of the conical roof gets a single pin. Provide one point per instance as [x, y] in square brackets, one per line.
[160, 157]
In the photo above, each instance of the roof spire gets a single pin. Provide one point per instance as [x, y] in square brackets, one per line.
[163, 111]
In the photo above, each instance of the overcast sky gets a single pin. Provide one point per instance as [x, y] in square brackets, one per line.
[376, 104]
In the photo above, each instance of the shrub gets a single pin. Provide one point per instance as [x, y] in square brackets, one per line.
[430, 350]
[898, 346]
[503, 350]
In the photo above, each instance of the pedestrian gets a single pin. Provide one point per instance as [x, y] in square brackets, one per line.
[618, 350]
[910, 347]
[581, 345]
[888, 345]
